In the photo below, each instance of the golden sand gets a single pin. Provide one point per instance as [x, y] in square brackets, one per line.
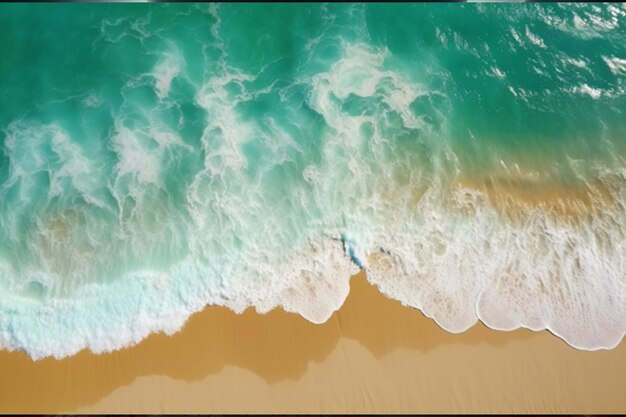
[517, 195]
[373, 355]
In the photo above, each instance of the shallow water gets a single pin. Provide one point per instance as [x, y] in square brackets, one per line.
[158, 158]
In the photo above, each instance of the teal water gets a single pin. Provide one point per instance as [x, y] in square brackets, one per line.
[157, 158]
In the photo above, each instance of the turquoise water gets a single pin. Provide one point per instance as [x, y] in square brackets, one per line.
[157, 158]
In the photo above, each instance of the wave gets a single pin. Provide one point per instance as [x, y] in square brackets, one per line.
[266, 179]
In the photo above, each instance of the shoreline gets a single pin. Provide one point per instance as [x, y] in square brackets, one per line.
[370, 337]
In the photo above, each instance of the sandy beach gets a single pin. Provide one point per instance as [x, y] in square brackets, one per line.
[373, 355]
[159, 160]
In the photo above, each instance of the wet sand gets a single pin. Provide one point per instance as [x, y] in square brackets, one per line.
[373, 355]
[517, 195]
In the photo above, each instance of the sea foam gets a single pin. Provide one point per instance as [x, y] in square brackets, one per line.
[250, 171]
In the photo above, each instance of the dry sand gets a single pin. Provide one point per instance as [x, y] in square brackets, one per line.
[373, 355]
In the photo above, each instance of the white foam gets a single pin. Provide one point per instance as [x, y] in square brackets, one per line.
[497, 72]
[311, 174]
[312, 282]
[92, 100]
[446, 251]
[517, 37]
[26, 145]
[576, 62]
[616, 65]
[535, 39]
[579, 23]
[606, 24]
[592, 23]
[318, 281]
[135, 156]
[165, 72]
[360, 73]
[224, 125]
[594, 93]
[544, 275]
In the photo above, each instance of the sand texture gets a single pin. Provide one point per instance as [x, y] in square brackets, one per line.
[373, 355]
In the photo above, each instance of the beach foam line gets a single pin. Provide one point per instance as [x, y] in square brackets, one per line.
[195, 172]
[395, 347]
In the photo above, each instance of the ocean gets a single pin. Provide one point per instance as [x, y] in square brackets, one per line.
[158, 158]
